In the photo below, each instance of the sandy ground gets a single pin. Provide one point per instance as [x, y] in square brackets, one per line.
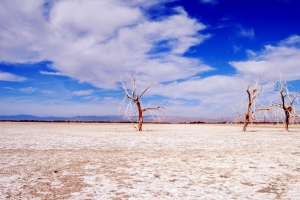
[112, 161]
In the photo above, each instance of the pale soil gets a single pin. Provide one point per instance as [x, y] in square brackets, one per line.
[112, 161]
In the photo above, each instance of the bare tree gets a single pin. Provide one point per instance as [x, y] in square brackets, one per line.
[136, 99]
[251, 103]
[287, 101]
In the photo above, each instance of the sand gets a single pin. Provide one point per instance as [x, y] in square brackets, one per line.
[112, 161]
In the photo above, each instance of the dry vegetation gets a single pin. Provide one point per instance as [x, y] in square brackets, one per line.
[135, 98]
[109, 161]
[283, 110]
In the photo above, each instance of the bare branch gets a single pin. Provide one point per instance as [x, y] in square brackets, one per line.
[252, 108]
[136, 100]
[150, 85]
[294, 98]
[154, 108]
[287, 101]
[134, 84]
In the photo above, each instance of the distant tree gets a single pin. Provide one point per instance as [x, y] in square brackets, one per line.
[136, 99]
[251, 104]
[287, 101]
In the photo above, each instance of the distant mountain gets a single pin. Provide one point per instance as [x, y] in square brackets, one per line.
[76, 118]
[111, 118]
[31, 117]
[114, 118]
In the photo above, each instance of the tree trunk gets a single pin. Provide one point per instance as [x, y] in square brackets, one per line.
[246, 122]
[140, 116]
[247, 117]
[286, 112]
[287, 120]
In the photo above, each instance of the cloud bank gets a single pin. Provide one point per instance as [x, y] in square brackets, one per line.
[98, 41]
[283, 57]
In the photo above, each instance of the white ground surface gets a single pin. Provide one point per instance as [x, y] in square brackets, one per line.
[112, 161]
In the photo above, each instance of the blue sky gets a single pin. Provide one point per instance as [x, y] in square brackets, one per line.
[60, 58]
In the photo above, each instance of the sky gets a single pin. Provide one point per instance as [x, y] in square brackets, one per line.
[64, 57]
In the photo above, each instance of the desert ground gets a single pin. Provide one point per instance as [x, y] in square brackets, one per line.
[165, 161]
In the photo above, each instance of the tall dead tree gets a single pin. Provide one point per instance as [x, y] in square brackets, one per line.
[136, 99]
[251, 103]
[287, 101]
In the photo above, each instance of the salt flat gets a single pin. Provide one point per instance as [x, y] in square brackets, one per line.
[112, 161]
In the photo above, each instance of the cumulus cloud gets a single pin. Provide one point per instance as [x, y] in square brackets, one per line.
[209, 95]
[283, 57]
[5, 76]
[97, 41]
[83, 92]
[197, 88]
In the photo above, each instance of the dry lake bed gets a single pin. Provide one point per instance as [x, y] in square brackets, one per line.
[112, 161]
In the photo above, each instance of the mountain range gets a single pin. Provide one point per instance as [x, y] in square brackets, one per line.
[112, 118]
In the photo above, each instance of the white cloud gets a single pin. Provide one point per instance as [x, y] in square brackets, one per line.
[51, 73]
[70, 109]
[292, 40]
[146, 4]
[246, 32]
[236, 48]
[93, 98]
[198, 88]
[209, 1]
[5, 76]
[23, 31]
[83, 92]
[97, 41]
[250, 53]
[28, 89]
[196, 96]
[210, 95]
[283, 57]
[76, 18]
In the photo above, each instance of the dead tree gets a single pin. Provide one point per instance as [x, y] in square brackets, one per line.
[136, 99]
[251, 104]
[287, 101]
